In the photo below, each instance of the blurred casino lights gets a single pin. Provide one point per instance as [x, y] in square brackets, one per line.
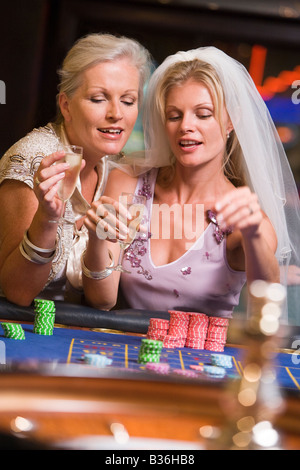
[280, 95]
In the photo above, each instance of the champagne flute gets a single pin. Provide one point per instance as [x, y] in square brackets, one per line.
[136, 206]
[66, 186]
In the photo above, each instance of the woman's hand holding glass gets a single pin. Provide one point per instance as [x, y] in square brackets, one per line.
[46, 180]
[136, 209]
[117, 221]
[66, 186]
[55, 180]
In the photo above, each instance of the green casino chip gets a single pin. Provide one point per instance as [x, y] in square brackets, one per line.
[43, 324]
[43, 305]
[38, 301]
[144, 358]
[45, 317]
[151, 346]
[13, 331]
[152, 343]
[45, 310]
[43, 331]
[150, 351]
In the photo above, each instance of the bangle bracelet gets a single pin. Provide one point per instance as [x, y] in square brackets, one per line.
[29, 251]
[36, 248]
[97, 275]
[32, 256]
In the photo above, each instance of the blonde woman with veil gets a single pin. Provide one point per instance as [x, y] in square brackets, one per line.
[210, 144]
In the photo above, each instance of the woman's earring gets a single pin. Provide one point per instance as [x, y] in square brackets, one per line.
[228, 134]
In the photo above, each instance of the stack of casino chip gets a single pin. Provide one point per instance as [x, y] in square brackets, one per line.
[190, 329]
[158, 329]
[216, 334]
[179, 324]
[13, 330]
[185, 373]
[44, 317]
[162, 368]
[214, 371]
[150, 351]
[221, 360]
[197, 331]
[97, 360]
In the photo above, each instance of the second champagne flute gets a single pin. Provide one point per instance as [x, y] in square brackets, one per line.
[135, 205]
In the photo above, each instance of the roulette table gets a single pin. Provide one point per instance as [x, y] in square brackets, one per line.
[50, 398]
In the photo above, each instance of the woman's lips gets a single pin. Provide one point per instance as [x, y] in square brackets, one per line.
[189, 143]
[110, 131]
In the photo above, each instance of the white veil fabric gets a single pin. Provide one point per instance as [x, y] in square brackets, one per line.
[266, 166]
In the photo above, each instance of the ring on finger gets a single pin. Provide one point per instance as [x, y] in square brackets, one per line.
[99, 219]
[37, 181]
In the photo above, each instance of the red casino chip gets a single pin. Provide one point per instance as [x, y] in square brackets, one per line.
[198, 321]
[217, 329]
[217, 334]
[194, 316]
[218, 321]
[159, 323]
[157, 331]
[171, 341]
[170, 345]
[195, 344]
[179, 315]
[197, 330]
[176, 322]
[172, 338]
[214, 346]
[155, 337]
[190, 329]
[158, 328]
[215, 337]
[177, 329]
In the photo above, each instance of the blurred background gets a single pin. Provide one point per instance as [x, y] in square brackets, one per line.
[35, 35]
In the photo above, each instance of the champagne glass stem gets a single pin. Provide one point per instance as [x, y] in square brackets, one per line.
[61, 219]
[137, 203]
[120, 256]
[119, 266]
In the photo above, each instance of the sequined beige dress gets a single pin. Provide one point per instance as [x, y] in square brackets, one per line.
[20, 163]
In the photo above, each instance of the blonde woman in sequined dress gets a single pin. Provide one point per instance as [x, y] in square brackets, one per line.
[100, 90]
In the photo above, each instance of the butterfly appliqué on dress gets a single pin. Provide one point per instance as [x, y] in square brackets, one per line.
[218, 232]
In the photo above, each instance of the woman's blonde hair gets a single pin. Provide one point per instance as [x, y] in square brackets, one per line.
[94, 49]
[204, 73]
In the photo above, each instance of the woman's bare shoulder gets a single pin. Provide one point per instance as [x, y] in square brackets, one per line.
[119, 181]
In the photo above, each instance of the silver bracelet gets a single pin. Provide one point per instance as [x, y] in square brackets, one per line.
[27, 242]
[28, 253]
[97, 275]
